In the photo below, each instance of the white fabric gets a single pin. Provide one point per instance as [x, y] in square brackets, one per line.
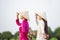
[40, 30]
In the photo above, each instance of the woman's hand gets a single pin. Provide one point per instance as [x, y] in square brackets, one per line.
[36, 14]
[46, 36]
[17, 14]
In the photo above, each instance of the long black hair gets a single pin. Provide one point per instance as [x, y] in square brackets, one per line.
[46, 26]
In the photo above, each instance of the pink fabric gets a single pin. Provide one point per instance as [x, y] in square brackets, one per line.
[23, 29]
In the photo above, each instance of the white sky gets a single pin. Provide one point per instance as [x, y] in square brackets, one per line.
[8, 9]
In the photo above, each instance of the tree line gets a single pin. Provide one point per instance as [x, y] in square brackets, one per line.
[8, 35]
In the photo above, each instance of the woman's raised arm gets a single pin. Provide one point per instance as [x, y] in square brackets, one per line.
[17, 19]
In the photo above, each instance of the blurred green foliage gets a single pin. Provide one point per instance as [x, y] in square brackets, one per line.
[8, 35]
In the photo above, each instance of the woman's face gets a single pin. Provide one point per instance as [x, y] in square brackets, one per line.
[38, 17]
[21, 17]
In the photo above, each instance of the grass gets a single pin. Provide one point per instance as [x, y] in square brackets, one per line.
[33, 39]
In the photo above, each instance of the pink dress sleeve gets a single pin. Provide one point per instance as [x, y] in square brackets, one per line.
[17, 22]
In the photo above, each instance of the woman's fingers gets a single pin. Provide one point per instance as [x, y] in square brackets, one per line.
[36, 14]
[17, 13]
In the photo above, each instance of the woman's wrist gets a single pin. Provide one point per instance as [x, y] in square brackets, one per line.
[17, 15]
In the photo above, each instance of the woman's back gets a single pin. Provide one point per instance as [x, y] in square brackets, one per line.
[40, 30]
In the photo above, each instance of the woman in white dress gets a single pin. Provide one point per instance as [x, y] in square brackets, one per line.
[41, 27]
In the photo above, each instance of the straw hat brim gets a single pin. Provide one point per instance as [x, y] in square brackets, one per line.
[25, 14]
[43, 15]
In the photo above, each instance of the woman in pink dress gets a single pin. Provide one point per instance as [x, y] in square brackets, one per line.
[24, 26]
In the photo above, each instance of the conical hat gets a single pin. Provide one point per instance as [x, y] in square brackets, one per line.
[25, 14]
[43, 15]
